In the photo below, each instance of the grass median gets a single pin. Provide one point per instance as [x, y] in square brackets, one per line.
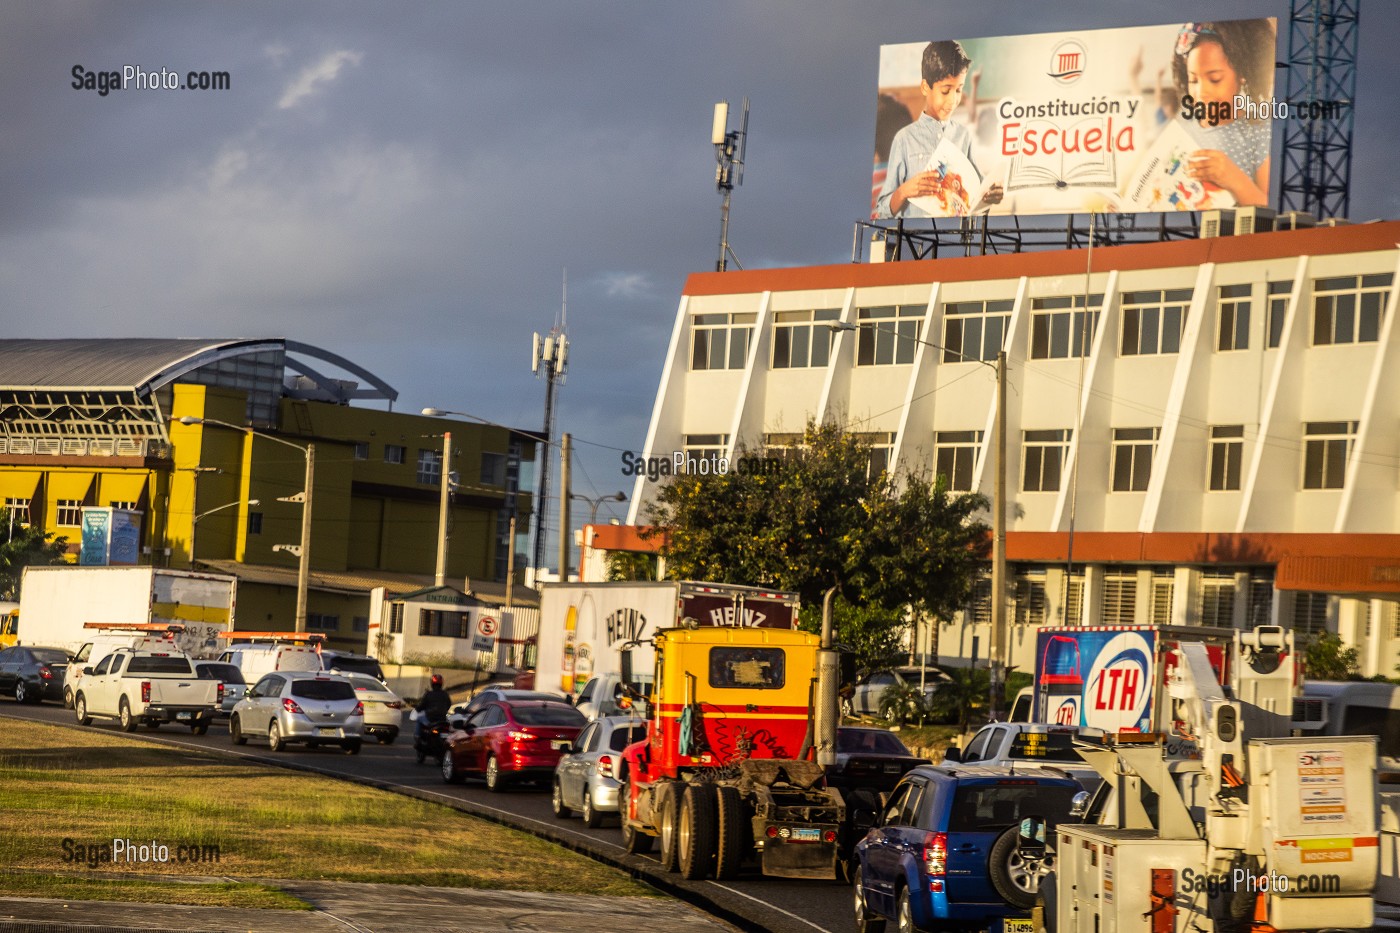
[67, 796]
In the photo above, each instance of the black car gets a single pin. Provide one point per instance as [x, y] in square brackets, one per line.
[870, 758]
[32, 675]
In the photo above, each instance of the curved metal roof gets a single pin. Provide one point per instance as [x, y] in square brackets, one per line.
[146, 364]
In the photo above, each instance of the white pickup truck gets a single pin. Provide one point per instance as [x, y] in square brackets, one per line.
[1021, 744]
[150, 687]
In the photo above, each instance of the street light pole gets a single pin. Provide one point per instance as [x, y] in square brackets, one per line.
[593, 503]
[303, 550]
[194, 523]
[996, 659]
[440, 577]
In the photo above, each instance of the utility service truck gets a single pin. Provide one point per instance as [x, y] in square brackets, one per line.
[57, 604]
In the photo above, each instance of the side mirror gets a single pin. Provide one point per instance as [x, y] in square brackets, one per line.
[953, 754]
[459, 724]
[87, 670]
[1079, 805]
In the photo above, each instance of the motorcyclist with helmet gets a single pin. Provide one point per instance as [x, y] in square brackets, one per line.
[432, 707]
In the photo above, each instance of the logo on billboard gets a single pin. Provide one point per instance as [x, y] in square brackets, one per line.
[1068, 713]
[1119, 685]
[1067, 62]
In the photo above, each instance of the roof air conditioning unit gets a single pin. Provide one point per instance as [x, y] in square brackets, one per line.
[1217, 223]
[1335, 222]
[1294, 220]
[1253, 220]
[879, 248]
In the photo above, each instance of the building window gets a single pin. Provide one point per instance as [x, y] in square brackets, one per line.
[889, 335]
[881, 450]
[493, 469]
[1326, 447]
[1218, 598]
[1043, 456]
[955, 458]
[362, 450]
[1030, 599]
[1163, 595]
[255, 523]
[126, 505]
[395, 618]
[321, 622]
[720, 341]
[1261, 598]
[430, 467]
[444, 624]
[802, 338]
[704, 447]
[70, 513]
[975, 330]
[1309, 614]
[1280, 293]
[1062, 327]
[1234, 318]
[1152, 321]
[1132, 458]
[18, 510]
[1072, 598]
[1226, 455]
[1348, 309]
[1119, 598]
[359, 624]
[979, 606]
[394, 453]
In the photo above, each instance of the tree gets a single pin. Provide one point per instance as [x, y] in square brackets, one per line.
[958, 699]
[629, 566]
[818, 517]
[24, 546]
[1325, 658]
[870, 632]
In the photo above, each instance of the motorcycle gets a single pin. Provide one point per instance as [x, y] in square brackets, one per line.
[432, 741]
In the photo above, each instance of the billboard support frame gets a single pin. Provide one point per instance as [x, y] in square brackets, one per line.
[1009, 235]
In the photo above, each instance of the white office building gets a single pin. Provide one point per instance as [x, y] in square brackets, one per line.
[1199, 432]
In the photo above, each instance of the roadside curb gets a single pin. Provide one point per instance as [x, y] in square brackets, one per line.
[638, 868]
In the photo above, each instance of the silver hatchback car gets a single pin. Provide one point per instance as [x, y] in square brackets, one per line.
[586, 776]
[310, 707]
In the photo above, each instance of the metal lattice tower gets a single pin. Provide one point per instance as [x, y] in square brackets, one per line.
[1321, 71]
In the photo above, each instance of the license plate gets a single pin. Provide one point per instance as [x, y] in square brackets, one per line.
[326, 730]
[184, 715]
[806, 834]
[560, 743]
[1017, 926]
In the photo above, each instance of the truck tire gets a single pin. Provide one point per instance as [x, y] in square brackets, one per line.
[634, 841]
[697, 829]
[731, 838]
[80, 710]
[867, 921]
[1015, 875]
[200, 728]
[666, 813]
[128, 721]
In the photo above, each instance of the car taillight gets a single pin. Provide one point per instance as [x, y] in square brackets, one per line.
[605, 766]
[145, 691]
[221, 693]
[45, 673]
[394, 704]
[771, 832]
[936, 853]
[290, 705]
[829, 836]
[359, 708]
[518, 736]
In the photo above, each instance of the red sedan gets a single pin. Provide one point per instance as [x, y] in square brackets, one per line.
[504, 741]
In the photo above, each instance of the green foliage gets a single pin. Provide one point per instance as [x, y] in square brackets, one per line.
[871, 632]
[630, 566]
[23, 546]
[822, 521]
[1325, 658]
[1016, 681]
[960, 699]
[901, 703]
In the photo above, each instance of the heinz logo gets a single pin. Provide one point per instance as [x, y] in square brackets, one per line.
[626, 625]
[1117, 691]
[729, 617]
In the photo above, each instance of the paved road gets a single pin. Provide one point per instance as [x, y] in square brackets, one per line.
[781, 905]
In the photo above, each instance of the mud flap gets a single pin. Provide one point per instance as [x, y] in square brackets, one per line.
[799, 859]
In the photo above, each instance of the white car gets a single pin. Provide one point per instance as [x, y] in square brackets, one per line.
[383, 707]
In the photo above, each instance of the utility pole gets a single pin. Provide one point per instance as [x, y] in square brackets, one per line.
[304, 565]
[444, 502]
[998, 652]
[565, 449]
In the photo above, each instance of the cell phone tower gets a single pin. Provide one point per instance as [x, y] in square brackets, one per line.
[729, 170]
[550, 359]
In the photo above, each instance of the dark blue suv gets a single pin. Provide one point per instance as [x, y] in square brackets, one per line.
[948, 850]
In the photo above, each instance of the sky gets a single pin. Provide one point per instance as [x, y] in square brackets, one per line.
[406, 184]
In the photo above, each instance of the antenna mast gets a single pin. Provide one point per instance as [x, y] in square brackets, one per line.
[552, 353]
[729, 154]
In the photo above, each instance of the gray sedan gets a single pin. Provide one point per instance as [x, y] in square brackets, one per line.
[311, 707]
[586, 777]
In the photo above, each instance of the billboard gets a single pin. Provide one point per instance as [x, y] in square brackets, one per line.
[1150, 118]
[110, 537]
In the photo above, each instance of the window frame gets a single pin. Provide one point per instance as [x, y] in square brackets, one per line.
[732, 354]
[1122, 441]
[1234, 301]
[1077, 315]
[1225, 463]
[1316, 437]
[429, 467]
[960, 444]
[810, 323]
[1163, 304]
[889, 335]
[963, 315]
[1353, 319]
[1041, 443]
[395, 454]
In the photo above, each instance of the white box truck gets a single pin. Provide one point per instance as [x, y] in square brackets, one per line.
[583, 626]
[58, 603]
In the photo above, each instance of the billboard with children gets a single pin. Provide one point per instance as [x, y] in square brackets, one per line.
[1149, 118]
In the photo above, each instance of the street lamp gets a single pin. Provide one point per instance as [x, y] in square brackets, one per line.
[593, 503]
[998, 647]
[194, 523]
[301, 551]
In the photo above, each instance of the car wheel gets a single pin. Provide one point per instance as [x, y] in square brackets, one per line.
[591, 817]
[1017, 874]
[21, 692]
[634, 841]
[352, 747]
[235, 732]
[867, 921]
[670, 852]
[450, 774]
[387, 738]
[274, 737]
[128, 721]
[731, 835]
[495, 780]
[904, 919]
[80, 710]
[556, 801]
[200, 728]
[422, 756]
[67, 698]
[697, 829]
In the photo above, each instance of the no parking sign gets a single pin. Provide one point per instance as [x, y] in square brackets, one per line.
[484, 635]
